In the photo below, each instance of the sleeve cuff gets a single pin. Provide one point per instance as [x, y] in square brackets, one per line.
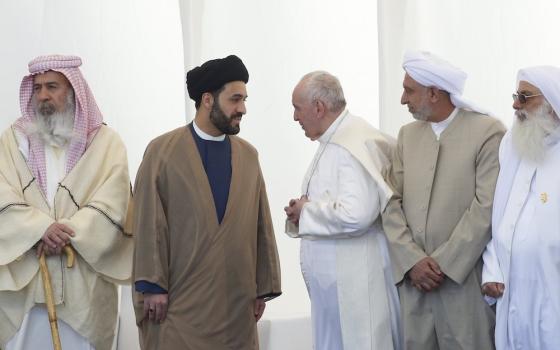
[269, 296]
[148, 287]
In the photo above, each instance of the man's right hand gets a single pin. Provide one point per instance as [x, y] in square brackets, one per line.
[57, 235]
[155, 306]
[426, 275]
[493, 289]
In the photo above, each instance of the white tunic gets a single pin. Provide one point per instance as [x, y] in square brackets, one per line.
[524, 252]
[344, 254]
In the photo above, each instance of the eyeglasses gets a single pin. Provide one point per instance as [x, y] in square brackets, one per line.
[522, 98]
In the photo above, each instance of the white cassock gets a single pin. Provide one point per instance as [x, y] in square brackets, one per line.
[344, 254]
[34, 332]
[524, 253]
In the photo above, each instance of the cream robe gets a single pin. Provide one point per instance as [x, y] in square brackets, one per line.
[441, 208]
[32, 332]
[94, 205]
[524, 252]
[344, 254]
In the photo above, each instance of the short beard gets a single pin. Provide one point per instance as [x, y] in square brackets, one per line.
[422, 114]
[52, 127]
[424, 111]
[223, 122]
[530, 130]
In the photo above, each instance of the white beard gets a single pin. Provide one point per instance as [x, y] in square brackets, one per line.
[531, 129]
[57, 128]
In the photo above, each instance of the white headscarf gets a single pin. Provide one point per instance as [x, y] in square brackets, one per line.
[546, 79]
[430, 70]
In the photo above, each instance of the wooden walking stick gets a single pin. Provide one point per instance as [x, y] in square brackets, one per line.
[49, 298]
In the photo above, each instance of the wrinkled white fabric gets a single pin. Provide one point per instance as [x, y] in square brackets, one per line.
[524, 253]
[35, 331]
[344, 254]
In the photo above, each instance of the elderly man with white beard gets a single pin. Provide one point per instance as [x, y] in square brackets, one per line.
[63, 182]
[522, 261]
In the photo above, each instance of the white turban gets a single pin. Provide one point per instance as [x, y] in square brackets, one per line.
[546, 79]
[429, 70]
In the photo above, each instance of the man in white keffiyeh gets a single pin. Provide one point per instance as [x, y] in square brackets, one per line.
[63, 181]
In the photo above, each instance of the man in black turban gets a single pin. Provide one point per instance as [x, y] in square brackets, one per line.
[227, 75]
[202, 273]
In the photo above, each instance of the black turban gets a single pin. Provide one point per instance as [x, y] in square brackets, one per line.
[214, 74]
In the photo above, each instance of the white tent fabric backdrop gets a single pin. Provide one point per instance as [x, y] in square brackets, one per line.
[489, 40]
[136, 53]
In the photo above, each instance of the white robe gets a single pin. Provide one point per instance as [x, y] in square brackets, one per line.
[344, 254]
[524, 253]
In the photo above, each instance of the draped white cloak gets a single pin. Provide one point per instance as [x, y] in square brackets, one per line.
[524, 253]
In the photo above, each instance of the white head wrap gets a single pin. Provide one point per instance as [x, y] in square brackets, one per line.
[429, 70]
[546, 79]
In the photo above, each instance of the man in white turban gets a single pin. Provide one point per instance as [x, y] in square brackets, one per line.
[443, 175]
[63, 181]
[522, 261]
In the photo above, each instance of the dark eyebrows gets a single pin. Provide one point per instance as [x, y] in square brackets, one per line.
[236, 96]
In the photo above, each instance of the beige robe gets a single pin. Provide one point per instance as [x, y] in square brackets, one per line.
[442, 208]
[213, 272]
[92, 200]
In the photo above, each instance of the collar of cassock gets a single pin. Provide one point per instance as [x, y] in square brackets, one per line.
[328, 134]
[205, 136]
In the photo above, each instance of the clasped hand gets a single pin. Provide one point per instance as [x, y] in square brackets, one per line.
[54, 239]
[426, 275]
[293, 210]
